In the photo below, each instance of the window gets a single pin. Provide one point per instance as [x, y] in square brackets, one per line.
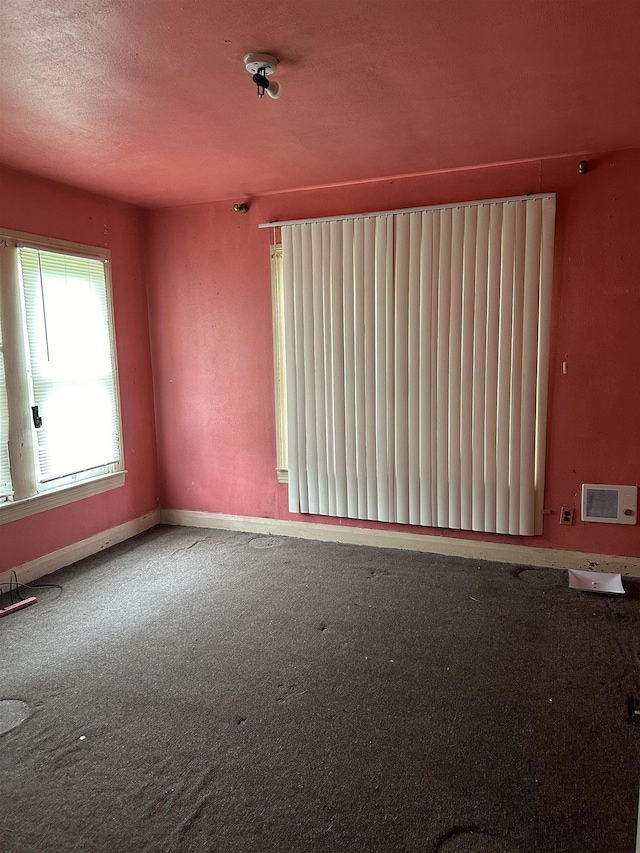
[60, 433]
[415, 364]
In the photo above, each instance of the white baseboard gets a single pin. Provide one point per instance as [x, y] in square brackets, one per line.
[446, 545]
[497, 551]
[35, 569]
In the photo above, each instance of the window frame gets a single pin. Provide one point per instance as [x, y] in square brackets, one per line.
[90, 486]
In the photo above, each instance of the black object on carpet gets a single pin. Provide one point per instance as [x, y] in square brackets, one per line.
[198, 690]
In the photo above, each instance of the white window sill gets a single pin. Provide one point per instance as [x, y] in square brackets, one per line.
[14, 510]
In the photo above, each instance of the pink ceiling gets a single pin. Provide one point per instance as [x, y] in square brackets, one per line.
[149, 100]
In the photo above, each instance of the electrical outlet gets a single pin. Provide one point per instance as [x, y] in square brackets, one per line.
[566, 514]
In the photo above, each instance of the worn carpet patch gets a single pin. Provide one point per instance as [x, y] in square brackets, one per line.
[12, 713]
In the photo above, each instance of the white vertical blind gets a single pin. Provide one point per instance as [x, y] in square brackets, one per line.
[416, 358]
[72, 370]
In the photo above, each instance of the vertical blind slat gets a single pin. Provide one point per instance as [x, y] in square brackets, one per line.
[301, 368]
[338, 359]
[330, 324]
[442, 379]
[504, 372]
[526, 523]
[317, 318]
[368, 488]
[390, 373]
[491, 367]
[455, 359]
[381, 369]
[515, 392]
[433, 331]
[544, 323]
[426, 361]
[413, 368]
[466, 366]
[311, 447]
[351, 386]
[401, 395]
[478, 447]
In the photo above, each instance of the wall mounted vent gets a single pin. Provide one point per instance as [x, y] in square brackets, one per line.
[611, 504]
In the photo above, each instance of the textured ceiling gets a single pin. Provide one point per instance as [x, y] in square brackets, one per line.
[149, 100]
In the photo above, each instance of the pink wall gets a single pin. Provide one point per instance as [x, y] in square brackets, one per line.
[53, 210]
[210, 315]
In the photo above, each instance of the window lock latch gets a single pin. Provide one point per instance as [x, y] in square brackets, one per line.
[37, 420]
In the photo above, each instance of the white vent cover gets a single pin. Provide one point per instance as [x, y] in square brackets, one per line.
[612, 504]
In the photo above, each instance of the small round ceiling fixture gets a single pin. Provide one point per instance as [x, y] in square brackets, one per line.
[261, 66]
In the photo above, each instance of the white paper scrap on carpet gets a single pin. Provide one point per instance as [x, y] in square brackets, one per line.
[595, 581]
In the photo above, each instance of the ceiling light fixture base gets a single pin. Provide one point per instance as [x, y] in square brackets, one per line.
[263, 62]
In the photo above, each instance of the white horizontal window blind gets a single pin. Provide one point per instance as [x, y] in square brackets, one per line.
[416, 364]
[71, 363]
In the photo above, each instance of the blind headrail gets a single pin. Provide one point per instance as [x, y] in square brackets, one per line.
[531, 197]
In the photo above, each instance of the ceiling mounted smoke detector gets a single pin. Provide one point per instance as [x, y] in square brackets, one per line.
[261, 66]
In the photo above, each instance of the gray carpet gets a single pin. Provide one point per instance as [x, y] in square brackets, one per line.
[195, 690]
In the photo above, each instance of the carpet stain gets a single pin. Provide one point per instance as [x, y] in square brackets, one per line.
[284, 691]
[323, 627]
[536, 577]
[12, 713]
[469, 840]
[241, 720]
